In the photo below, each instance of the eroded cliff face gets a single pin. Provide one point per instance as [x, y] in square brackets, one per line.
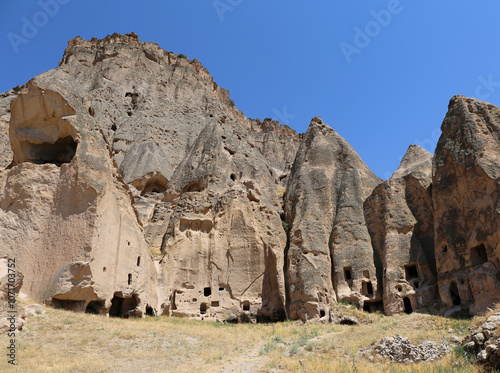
[130, 184]
[467, 206]
[400, 220]
[330, 256]
[65, 217]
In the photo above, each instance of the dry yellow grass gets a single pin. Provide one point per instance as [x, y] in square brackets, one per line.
[62, 341]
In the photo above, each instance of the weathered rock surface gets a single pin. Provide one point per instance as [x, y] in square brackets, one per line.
[64, 214]
[400, 220]
[466, 193]
[203, 182]
[5, 150]
[330, 255]
[130, 184]
[224, 245]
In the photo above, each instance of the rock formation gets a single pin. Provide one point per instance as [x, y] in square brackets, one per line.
[400, 220]
[466, 193]
[330, 255]
[65, 214]
[130, 184]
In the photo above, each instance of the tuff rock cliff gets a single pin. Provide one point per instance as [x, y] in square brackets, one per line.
[131, 185]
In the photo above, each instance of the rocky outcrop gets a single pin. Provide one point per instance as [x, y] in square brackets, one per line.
[223, 248]
[5, 150]
[466, 193]
[131, 184]
[65, 216]
[330, 255]
[151, 104]
[400, 220]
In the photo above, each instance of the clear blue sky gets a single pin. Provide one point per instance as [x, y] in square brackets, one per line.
[287, 59]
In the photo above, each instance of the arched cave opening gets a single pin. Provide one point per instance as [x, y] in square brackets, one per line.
[61, 151]
[154, 185]
[194, 186]
[203, 308]
[94, 307]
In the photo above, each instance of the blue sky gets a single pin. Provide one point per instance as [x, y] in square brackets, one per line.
[381, 73]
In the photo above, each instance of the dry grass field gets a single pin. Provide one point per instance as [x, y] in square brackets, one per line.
[63, 341]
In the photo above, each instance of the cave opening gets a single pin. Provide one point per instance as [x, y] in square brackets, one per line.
[207, 292]
[478, 255]
[123, 306]
[454, 293]
[373, 306]
[61, 151]
[348, 274]
[203, 308]
[68, 304]
[155, 185]
[367, 288]
[94, 307]
[246, 305]
[407, 305]
[411, 271]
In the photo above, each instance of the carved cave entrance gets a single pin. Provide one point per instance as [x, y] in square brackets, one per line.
[455, 295]
[373, 306]
[94, 307]
[407, 305]
[59, 152]
[123, 306]
[411, 271]
[478, 255]
[68, 304]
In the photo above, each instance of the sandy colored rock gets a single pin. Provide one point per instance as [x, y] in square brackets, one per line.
[8, 325]
[400, 220]
[223, 248]
[65, 216]
[466, 193]
[330, 256]
[34, 309]
[131, 184]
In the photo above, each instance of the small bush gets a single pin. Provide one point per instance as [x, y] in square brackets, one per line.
[286, 227]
